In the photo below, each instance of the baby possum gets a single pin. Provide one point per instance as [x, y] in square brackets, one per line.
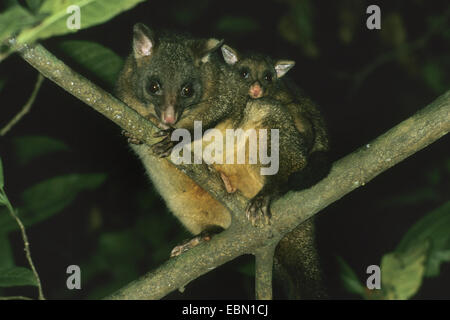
[296, 253]
[265, 78]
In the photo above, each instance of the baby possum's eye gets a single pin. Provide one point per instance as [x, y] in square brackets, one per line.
[187, 91]
[154, 87]
[268, 76]
[244, 73]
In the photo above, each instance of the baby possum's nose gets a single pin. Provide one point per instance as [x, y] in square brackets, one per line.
[255, 91]
[169, 116]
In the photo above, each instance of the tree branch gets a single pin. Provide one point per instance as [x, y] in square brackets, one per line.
[263, 272]
[346, 175]
[26, 108]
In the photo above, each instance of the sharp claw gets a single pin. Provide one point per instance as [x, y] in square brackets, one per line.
[159, 134]
[258, 212]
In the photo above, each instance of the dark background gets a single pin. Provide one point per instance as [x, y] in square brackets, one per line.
[366, 81]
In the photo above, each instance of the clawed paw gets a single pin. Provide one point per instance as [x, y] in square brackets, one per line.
[164, 147]
[130, 138]
[258, 210]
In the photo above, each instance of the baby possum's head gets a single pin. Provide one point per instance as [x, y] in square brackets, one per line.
[168, 77]
[259, 71]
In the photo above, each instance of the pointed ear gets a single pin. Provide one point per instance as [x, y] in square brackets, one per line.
[143, 41]
[283, 66]
[202, 49]
[229, 55]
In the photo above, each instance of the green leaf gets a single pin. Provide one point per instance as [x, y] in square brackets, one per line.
[28, 148]
[435, 228]
[17, 276]
[2, 181]
[34, 5]
[92, 12]
[49, 197]
[235, 24]
[6, 256]
[433, 74]
[402, 273]
[14, 19]
[95, 58]
[349, 278]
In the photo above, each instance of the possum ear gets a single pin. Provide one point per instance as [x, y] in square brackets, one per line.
[229, 55]
[143, 41]
[283, 66]
[202, 49]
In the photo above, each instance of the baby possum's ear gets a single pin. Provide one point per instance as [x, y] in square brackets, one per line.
[202, 49]
[283, 66]
[229, 54]
[143, 41]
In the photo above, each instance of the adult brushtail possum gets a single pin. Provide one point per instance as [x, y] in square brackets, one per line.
[297, 263]
[174, 80]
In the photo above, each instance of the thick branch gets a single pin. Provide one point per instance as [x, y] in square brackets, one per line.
[263, 272]
[346, 175]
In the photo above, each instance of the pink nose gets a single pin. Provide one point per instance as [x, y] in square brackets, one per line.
[255, 91]
[169, 119]
[169, 116]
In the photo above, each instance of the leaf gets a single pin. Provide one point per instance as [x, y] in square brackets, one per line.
[92, 12]
[34, 5]
[402, 273]
[6, 257]
[238, 25]
[49, 197]
[14, 19]
[28, 148]
[95, 58]
[435, 228]
[433, 75]
[350, 279]
[17, 276]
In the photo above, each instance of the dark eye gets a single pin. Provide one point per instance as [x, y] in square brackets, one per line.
[268, 77]
[245, 73]
[187, 91]
[154, 87]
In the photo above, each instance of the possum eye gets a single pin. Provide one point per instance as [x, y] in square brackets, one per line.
[268, 76]
[187, 91]
[154, 87]
[245, 73]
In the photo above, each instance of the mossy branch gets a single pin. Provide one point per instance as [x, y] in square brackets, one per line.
[347, 174]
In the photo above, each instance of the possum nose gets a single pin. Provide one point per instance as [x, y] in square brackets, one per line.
[168, 116]
[256, 91]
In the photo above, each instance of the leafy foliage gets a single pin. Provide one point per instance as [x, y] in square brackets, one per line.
[95, 58]
[27, 148]
[419, 254]
[17, 276]
[14, 19]
[93, 12]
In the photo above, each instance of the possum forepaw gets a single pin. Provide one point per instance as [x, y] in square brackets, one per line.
[130, 138]
[258, 210]
[164, 147]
